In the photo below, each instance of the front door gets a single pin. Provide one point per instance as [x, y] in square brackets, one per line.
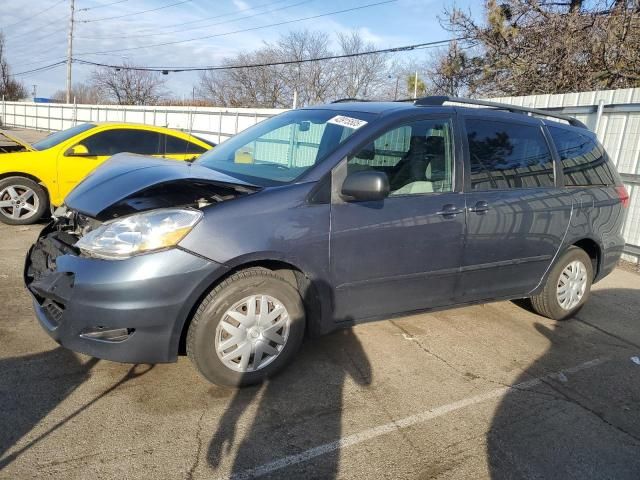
[100, 146]
[516, 217]
[402, 253]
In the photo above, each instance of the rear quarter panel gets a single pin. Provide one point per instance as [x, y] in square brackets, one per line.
[598, 215]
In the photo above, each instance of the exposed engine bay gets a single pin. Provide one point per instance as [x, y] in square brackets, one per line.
[188, 193]
[178, 193]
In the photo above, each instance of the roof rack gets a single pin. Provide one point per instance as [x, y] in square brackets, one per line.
[345, 100]
[434, 101]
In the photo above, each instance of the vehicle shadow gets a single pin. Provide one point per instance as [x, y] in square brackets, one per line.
[31, 387]
[295, 411]
[579, 424]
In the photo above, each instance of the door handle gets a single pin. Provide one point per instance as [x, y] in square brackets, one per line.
[449, 210]
[480, 207]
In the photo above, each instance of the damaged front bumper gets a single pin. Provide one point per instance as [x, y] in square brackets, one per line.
[129, 310]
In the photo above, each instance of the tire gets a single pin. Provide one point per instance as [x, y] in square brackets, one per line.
[22, 201]
[548, 302]
[213, 327]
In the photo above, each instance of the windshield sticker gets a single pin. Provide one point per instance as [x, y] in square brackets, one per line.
[348, 122]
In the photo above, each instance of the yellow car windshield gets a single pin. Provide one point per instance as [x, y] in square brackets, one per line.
[62, 136]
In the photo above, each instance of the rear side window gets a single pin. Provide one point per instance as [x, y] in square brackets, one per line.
[507, 155]
[120, 140]
[176, 146]
[584, 162]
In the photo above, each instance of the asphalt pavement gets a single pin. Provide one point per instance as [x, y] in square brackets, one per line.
[490, 391]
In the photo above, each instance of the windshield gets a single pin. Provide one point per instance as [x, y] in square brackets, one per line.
[280, 149]
[59, 137]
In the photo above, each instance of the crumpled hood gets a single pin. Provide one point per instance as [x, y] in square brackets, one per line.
[125, 174]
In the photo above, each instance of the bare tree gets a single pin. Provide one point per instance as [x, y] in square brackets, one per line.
[81, 92]
[242, 86]
[361, 76]
[452, 72]
[128, 87]
[10, 88]
[537, 46]
[313, 81]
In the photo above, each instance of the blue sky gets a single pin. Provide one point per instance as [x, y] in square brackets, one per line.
[36, 31]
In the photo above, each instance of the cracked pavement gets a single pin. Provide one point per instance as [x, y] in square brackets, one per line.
[425, 396]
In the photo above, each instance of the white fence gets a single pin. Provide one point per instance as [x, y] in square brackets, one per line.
[613, 114]
[215, 124]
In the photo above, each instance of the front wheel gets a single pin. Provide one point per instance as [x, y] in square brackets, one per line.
[22, 201]
[247, 329]
[567, 287]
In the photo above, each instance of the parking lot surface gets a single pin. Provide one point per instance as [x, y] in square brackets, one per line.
[490, 391]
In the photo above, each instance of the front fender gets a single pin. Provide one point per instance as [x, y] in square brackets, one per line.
[34, 165]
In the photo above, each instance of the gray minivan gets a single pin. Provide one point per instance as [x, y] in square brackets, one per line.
[323, 217]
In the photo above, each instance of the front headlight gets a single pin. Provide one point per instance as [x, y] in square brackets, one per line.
[138, 233]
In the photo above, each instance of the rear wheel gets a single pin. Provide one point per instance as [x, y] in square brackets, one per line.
[567, 287]
[22, 201]
[247, 329]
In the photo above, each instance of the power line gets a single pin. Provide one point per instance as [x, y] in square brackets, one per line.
[417, 46]
[34, 15]
[165, 32]
[35, 62]
[101, 6]
[133, 13]
[57, 21]
[176, 42]
[226, 14]
[32, 41]
[40, 69]
[404, 48]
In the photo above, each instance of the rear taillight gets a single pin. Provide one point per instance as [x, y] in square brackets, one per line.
[623, 195]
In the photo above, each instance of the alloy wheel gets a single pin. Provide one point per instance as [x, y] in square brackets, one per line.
[19, 202]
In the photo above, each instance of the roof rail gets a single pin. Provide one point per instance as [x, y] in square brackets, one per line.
[439, 100]
[345, 100]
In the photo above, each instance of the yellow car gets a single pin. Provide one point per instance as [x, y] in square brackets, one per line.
[43, 173]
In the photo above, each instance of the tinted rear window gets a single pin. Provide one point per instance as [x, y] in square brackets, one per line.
[110, 142]
[508, 155]
[584, 161]
[177, 146]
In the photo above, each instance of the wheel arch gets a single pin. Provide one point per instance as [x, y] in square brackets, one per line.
[288, 271]
[594, 250]
[25, 175]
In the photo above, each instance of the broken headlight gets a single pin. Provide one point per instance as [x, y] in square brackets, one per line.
[139, 233]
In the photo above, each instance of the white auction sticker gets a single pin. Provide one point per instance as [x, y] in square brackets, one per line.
[350, 122]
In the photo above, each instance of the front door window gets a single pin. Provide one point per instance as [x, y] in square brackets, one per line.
[417, 158]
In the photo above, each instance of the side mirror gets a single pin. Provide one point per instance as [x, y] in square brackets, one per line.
[78, 150]
[366, 186]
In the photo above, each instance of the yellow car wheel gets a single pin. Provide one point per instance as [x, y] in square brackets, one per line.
[22, 201]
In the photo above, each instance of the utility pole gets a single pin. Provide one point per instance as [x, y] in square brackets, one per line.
[415, 86]
[70, 51]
